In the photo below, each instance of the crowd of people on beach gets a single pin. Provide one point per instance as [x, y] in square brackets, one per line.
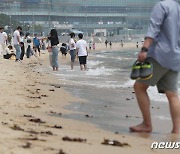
[18, 45]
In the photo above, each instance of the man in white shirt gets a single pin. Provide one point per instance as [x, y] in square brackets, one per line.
[81, 46]
[3, 39]
[16, 42]
[72, 48]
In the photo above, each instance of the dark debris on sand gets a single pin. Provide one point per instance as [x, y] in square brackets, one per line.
[55, 85]
[34, 97]
[28, 116]
[16, 127]
[114, 143]
[4, 123]
[36, 106]
[55, 126]
[37, 120]
[31, 85]
[66, 138]
[128, 116]
[61, 152]
[27, 145]
[42, 132]
[55, 113]
[88, 116]
[46, 132]
[32, 139]
[37, 90]
[44, 96]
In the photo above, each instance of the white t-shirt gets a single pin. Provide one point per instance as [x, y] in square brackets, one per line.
[28, 40]
[3, 37]
[16, 34]
[72, 44]
[82, 45]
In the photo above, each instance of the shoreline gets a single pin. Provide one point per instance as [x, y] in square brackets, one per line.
[32, 109]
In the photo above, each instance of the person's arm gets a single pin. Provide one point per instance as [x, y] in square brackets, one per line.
[72, 44]
[143, 53]
[87, 51]
[18, 38]
[158, 16]
[86, 48]
[77, 49]
[5, 38]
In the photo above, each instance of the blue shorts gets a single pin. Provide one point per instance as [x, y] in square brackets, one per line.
[73, 54]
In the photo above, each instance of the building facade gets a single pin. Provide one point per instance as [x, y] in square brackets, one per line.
[112, 17]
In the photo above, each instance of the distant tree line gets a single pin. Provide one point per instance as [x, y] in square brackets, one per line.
[11, 24]
[5, 21]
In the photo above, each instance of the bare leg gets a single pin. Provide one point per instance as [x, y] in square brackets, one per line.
[85, 67]
[81, 67]
[72, 63]
[56, 68]
[174, 105]
[144, 105]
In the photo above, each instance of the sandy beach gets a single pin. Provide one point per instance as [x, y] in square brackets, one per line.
[32, 108]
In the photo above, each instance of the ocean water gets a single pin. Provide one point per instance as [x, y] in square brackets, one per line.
[107, 70]
[107, 87]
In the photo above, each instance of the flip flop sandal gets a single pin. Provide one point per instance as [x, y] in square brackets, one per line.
[135, 73]
[146, 71]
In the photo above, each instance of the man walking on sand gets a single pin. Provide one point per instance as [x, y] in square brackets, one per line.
[162, 49]
[16, 42]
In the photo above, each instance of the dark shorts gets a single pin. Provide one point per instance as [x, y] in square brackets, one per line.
[63, 51]
[73, 54]
[82, 60]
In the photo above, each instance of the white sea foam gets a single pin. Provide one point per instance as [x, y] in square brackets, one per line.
[98, 84]
[93, 63]
[99, 71]
[127, 58]
[152, 91]
[101, 56]
[128, 83]
[154, 95]
[103, 51]
[162, 117]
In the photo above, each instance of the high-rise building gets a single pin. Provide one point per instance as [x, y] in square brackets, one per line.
[113, 16]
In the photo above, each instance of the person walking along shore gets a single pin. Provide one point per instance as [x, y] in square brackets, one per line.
[54, 41]
[162, 49]
[16, 42]
[82, 46]
[72, 48]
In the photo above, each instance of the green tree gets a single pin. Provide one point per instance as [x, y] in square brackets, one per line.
[6, 22]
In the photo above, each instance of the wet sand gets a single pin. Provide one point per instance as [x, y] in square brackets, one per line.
[32, 108]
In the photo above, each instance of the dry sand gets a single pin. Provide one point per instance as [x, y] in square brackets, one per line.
[31, 123]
